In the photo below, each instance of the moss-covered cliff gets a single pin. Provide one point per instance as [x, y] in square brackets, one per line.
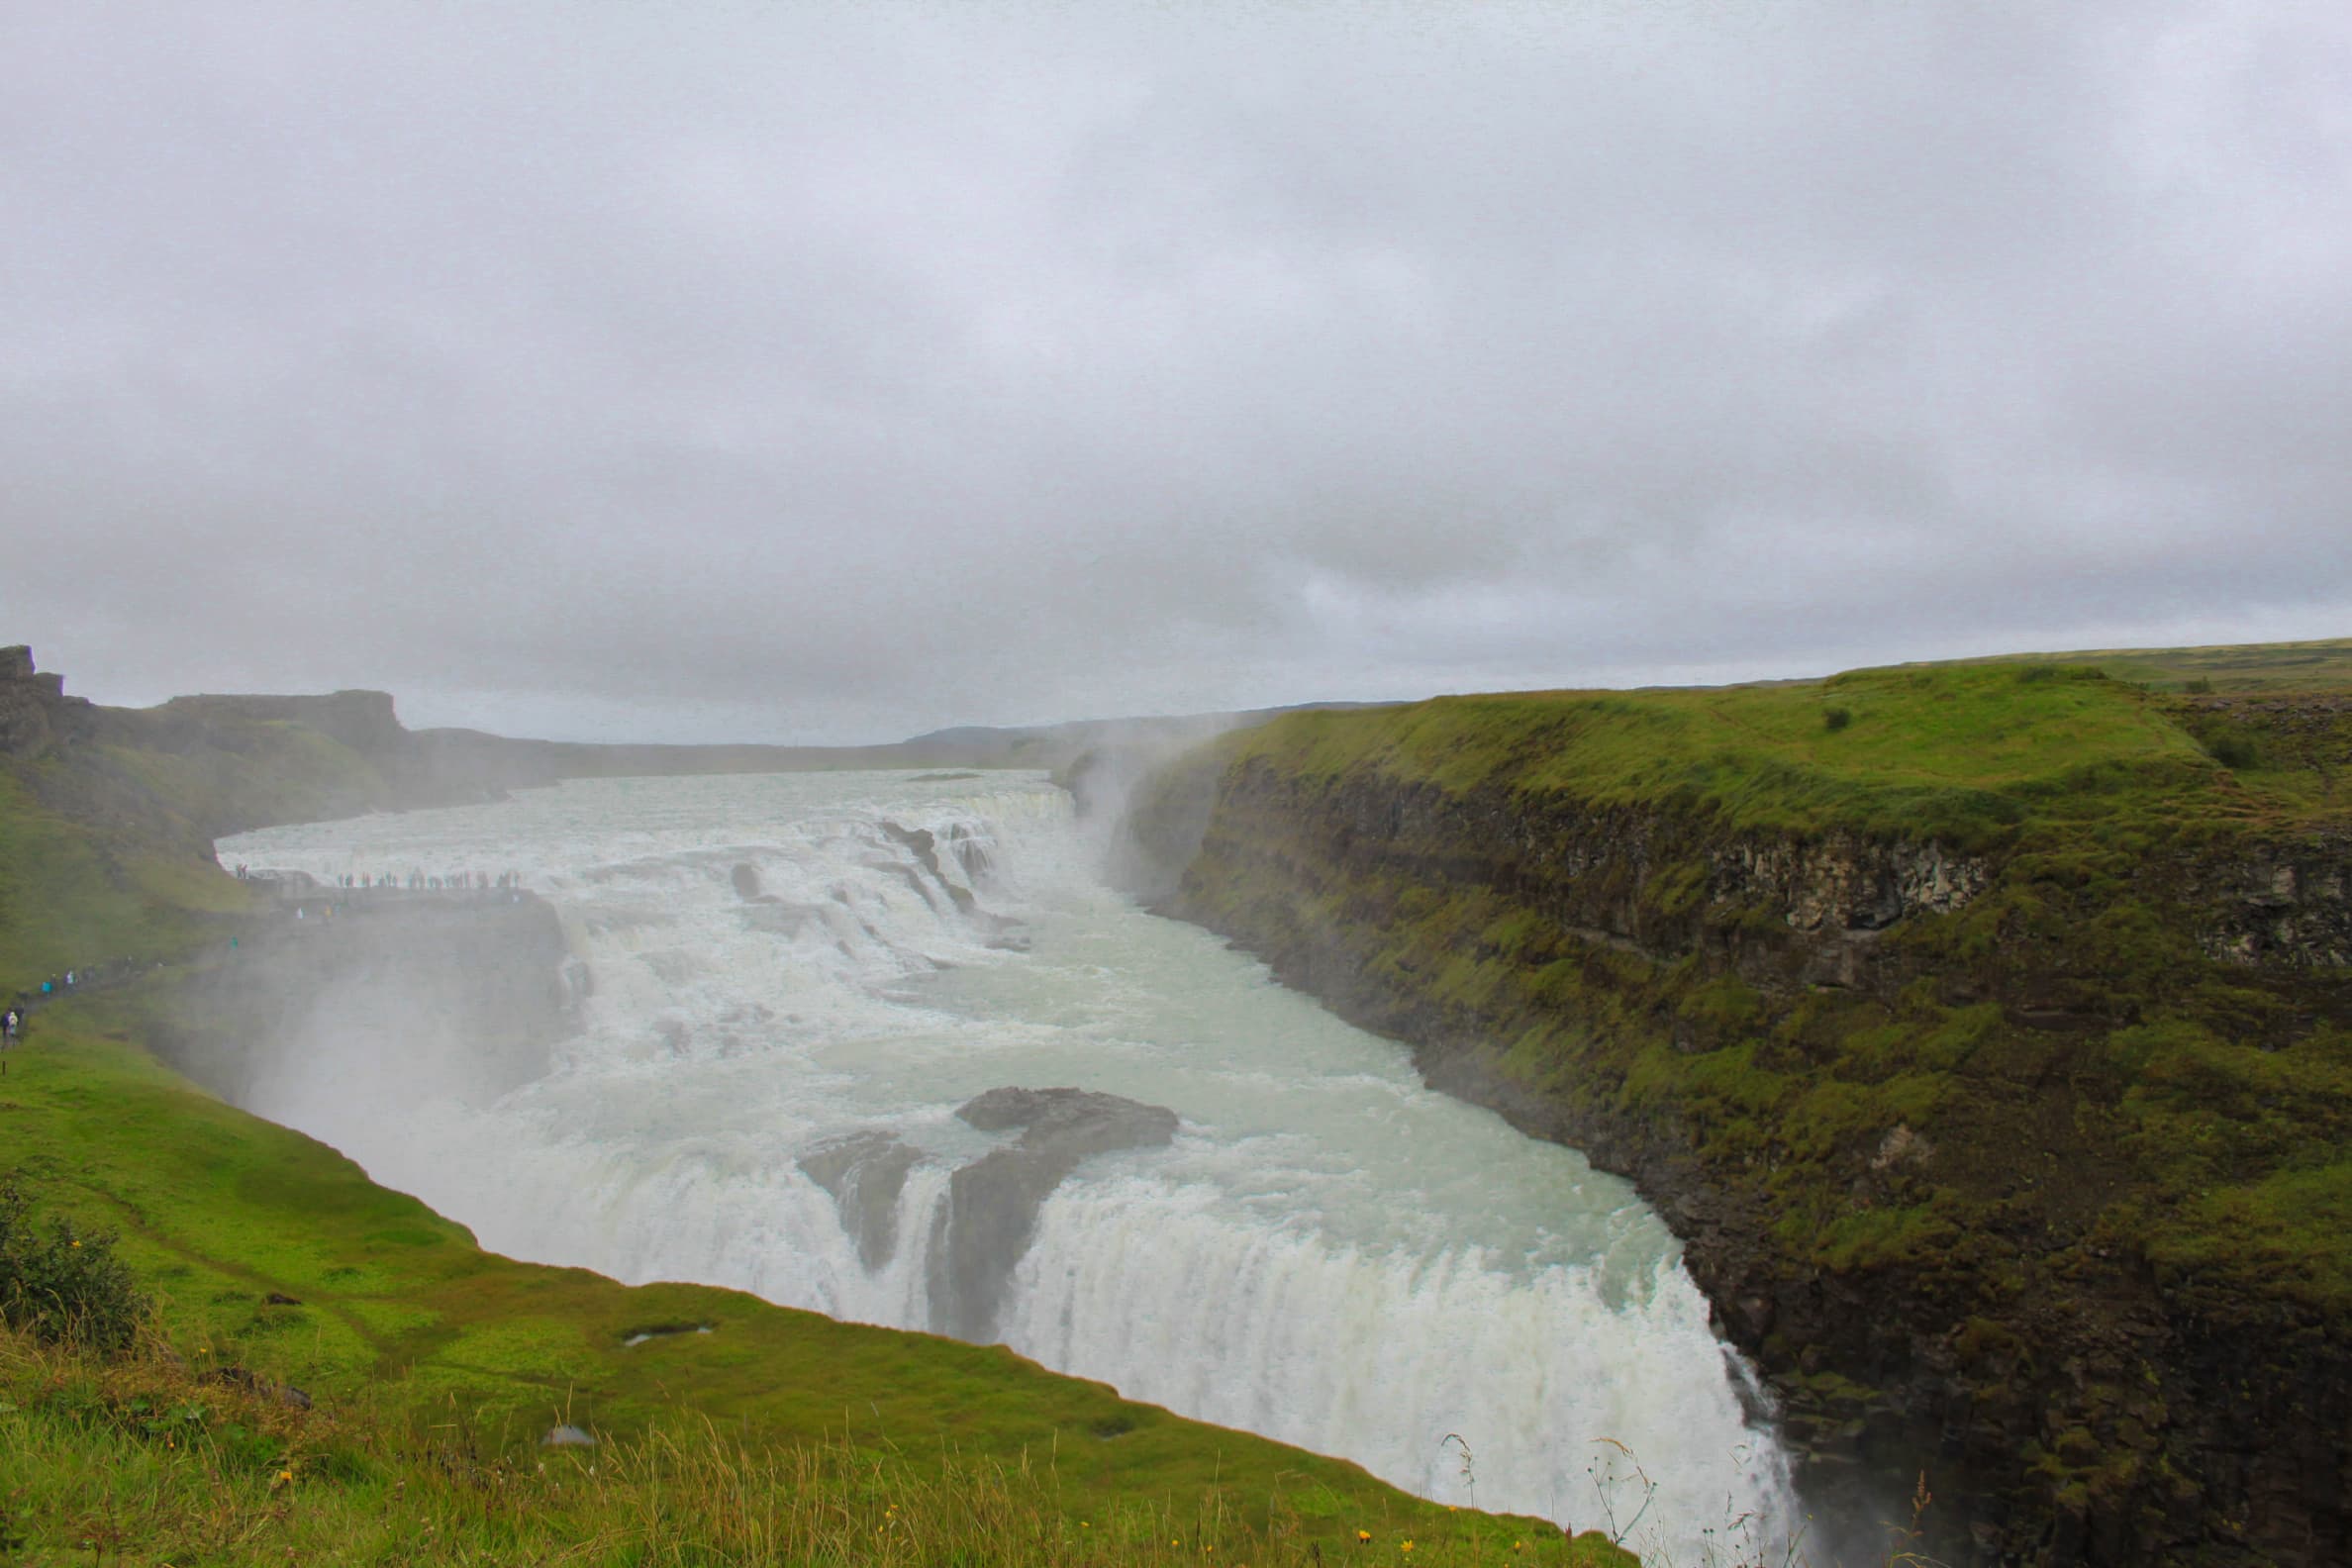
[1985, 1032]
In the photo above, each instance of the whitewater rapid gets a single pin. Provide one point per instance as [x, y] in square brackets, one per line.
[1327, 1253]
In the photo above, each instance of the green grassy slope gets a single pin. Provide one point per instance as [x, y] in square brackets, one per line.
[2065, 1124]
[76, 892]
[1963, 753]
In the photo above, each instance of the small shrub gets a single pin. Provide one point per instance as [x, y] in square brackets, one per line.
[1836, 718]
[2200, 687]
[62, 1286]
[2234, 748]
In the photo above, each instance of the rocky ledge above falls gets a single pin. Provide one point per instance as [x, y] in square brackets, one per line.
[993, 1202]
[2009, 1154]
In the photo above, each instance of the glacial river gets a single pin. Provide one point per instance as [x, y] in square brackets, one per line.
[1327, 1252]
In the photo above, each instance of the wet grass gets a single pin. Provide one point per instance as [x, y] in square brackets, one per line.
[151, 1458]
[1963, 754]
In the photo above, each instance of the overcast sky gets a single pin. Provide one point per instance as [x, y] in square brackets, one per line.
[832, 372]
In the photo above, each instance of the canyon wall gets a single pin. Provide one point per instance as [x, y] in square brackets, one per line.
[1992, 1153]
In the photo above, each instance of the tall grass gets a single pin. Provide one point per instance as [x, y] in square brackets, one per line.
[148, 1457]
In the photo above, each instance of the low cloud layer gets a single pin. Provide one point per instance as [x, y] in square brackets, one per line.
[829, 373]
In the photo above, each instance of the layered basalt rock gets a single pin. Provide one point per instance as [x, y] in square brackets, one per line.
[2285, 904]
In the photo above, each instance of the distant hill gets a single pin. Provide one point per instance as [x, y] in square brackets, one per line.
[2321, 665]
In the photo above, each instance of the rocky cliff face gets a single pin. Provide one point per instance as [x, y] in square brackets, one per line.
[2284, 903]
[1875, 1085]
[36, 714]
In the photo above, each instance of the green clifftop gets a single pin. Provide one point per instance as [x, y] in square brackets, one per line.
[1985, 1031]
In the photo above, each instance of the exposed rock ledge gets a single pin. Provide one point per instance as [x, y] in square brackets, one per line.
[992, 1207]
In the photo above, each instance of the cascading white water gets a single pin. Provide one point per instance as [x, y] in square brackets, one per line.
[1328, 1254]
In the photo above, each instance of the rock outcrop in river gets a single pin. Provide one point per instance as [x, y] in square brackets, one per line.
[984, 1227]
[993, 1202]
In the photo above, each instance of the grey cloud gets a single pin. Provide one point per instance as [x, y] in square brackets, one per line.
[833, 373]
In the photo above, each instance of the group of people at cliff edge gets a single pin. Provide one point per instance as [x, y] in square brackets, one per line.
[394, 882]
[79, 978]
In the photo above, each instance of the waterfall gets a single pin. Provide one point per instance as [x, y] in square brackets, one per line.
[793, 985]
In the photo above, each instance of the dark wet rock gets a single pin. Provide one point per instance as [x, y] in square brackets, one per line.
[911, 877]
[970, 852]
[1079, 1118]
[993, 1203]
[745, 878]
[769, 913]
[866, 1172]
[926, 849]
[254, 1383]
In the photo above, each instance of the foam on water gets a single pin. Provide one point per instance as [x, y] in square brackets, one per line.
[1328, 1254]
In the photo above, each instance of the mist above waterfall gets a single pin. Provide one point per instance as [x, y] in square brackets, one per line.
[821, 1013]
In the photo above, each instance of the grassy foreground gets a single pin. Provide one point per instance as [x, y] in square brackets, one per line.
[146, 1459]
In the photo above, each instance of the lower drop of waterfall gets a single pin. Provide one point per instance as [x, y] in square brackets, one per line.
[803, 997]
